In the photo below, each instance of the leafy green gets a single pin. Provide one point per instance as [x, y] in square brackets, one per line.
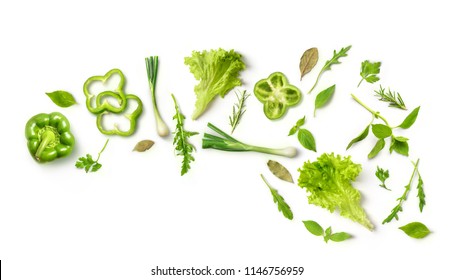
[416, 230]
[382, 175]
[323, 97]
[398, 208]
[62, 98]
[360, 137]
[305, 137]
[328, 182]
[421, 195]
[369, 71]
[282, 206]
[393, 98]
[317, 230]
[238, 109]
[308, 61]
[181, 140]
[88, 164]
[334, 60]
[381, 130]
[218, 72]
[410, 119]
[377, 148]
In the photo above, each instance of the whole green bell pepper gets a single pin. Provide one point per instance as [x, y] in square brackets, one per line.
[49, 137]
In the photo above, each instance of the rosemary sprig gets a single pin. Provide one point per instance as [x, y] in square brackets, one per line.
[238, 109]
[393, 98]
[181, 140]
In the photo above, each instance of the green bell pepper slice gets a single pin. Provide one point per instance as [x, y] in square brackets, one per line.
[277, 95]
[49, 137]
[101, 104]
[132, 118]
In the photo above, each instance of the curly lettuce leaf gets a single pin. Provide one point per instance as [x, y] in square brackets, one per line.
[328, 180]
[218, 72]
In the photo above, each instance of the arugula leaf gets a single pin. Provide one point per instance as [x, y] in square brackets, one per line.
[334, 60]
[282, 206]
[218, 72]
[328, 182]
[88, 164]
[382, 175]
[324, 97]
[421, 195]
[181, 139]
[370, 71]
[416, 230]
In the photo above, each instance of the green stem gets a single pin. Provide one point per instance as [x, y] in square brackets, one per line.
[46, 138]
[102, 150]
[316, 82]
[374, 113]
[360, 82]
[152, 71]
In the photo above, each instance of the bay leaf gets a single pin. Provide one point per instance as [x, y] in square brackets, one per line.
[308, 61]
[143, 145]
[279, 171]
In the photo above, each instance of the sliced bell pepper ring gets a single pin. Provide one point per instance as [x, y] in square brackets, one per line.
[277, 95]
[49, 137]
[100, 104]
[132, 117]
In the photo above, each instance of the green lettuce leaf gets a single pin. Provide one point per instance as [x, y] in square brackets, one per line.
[328, 180]
[218, 72]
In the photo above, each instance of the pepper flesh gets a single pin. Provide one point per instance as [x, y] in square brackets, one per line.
[49, 137]
[277, 95]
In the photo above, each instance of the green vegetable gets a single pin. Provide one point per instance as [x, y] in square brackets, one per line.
[324, 97]
[143, 145]
[282, 206]
[98, 103]
[238, 109]
[369, 71]
[308, 61]
[181, 140]
[317, 230]
[398, 208]
[279, 171]
[328, 182]
[421, 195]
[305, 137]
[277, 95]
[393, 98]
[331, 62]
[398, 144]
[132, 119]
[103, 107]
[218, 72]
[152, 73]
[49, 137]
[230, 144]
[88, 164]
[416, 230]
[382, 175]
[62, 98]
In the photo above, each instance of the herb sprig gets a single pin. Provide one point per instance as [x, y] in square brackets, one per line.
[305, 137]
[181, 140]
[393, 98]
[239, 109]
[369, 72]
[88, 164]
[317, 230]
[382, 175]
[282, 206]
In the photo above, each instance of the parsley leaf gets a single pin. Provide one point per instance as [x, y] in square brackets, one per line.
[382, 175]
[369, 71]
[88, 163]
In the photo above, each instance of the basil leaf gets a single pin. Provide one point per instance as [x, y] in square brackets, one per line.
[339, 236]
[323, 97]
[399, 146]
[410, 119]
[381, 130]
[377, 148]
[327, 234]
[307, 139]
[279, 171]
[308, 61]
[298, 124]
[416, 230]
[62, 98]
[359, 138]
[313, 227]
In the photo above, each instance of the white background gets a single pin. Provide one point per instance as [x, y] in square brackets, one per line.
[137, 212]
